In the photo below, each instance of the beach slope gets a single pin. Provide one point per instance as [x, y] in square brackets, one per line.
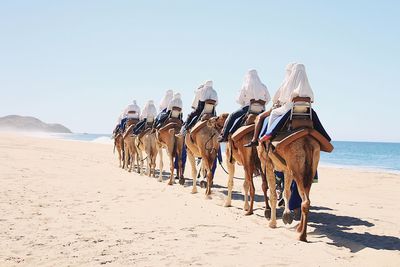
[68, 203]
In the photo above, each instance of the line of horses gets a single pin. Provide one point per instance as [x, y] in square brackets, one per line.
[295, 152]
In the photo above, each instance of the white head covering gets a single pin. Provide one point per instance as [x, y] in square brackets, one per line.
[166, 99]
[252, 88]
[133, 108]
[208, 92]
[149, 110]
[175, 102]
[208, 83]
[196, 98]
[297, 85]
[288, 71]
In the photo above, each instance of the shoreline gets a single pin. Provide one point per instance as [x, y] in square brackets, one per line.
[107, 140]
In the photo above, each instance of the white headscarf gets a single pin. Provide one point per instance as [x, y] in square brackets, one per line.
[208, 92]
[252, 88]
[208, 83]
[196, 98]
[288, 71]
[175, 102]
[132, 107]
[149, 110]
[297, 85]
[166, 99]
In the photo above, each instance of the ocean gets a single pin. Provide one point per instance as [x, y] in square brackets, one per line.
[367, 155]
[362, 155]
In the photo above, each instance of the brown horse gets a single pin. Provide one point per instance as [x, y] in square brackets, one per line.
[236, 152]
[169, 138]
[118, 144]
[202, 142]
[298, 161]
[295, 152]
[129, 144]
[147, 142]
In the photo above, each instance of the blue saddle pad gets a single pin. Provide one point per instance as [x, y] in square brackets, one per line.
[276, 125]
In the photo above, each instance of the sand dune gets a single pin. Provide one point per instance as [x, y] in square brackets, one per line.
[67, 203]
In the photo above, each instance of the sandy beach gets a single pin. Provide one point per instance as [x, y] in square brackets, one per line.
[66, 203]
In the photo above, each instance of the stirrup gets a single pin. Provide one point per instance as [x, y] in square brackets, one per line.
[251, 144]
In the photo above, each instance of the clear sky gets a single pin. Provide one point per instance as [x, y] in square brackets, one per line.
[81, 62]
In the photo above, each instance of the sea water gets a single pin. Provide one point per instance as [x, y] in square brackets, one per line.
[371, 155]
[365, 155]
[96, 138]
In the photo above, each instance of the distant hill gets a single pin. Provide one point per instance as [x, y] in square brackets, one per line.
[30, 124]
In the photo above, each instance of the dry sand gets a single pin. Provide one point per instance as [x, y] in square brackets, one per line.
[67, 203]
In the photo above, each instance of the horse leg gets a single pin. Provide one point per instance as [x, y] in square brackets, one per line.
[126, 161]
[180, 167]
[287, 217]
[130, 153]
[231, 172]
[305, 208]
[249, 177]
[153, 163]
[171, 168]
[272, 191]
[154, 159]
[246, 189]
[208, 167]
[161, 163]
[119, 154]
[139, 161]
[267, 212]
[192, 161]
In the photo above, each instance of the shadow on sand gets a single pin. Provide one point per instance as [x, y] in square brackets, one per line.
[335, 227]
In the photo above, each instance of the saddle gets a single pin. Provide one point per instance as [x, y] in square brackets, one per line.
[299, 124]
[246, 123]
[173, 120]
[198, 126]
[148, 128]
[208, 113]
[172, 123]
[242, 131]
[131, 121]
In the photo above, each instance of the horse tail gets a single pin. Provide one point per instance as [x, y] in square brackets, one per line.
[308, 164]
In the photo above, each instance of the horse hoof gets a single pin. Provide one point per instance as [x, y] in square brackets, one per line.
[203, 184]
[246, 207]
[272, 225]
[170, 183]
[208, 197]
[287, 218]
[160, 180]
[194, 191]
[227, 204]
[302, 238]
[267, 214]
[182, 181]
[248, 213]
